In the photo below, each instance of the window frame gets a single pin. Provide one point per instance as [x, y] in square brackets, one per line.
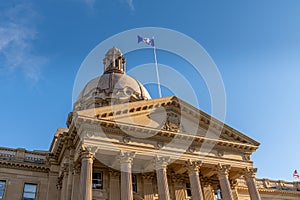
[4, 189]
[188, 190]
[36, 190]
[134, 183]
[94, 179]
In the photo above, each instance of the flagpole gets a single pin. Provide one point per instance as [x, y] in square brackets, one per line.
[157, 75]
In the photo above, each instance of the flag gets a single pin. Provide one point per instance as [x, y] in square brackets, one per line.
[148, 41]
[296, 175]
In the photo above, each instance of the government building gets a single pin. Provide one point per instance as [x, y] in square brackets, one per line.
[120, 144]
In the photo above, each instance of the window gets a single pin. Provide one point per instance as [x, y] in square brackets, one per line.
[134, 183]
[2, 188]
[29, 191]
[97, 180]
[188, 189]
[218, 194]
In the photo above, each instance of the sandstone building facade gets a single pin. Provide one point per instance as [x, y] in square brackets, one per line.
[121, 144]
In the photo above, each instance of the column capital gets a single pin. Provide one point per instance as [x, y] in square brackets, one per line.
[223, 169]
[126, 157]
[193, 166]
[85, 155]
[161, 162]
[249, 172]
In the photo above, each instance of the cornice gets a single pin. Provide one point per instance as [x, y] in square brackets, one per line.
[273, 191]
[134, 108]
[24, 165]
[163, 133]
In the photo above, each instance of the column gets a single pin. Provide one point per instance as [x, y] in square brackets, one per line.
[70, 181]
[162, 181]
[193, 170]
[249, 175]
[126, 159]
[223, 171]
[76, 179]
[85, 189]
[114, 185]
[63, 194]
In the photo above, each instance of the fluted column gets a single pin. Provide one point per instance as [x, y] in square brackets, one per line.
[85, 190]
[126, 159]
[223, 171]
[249, 174]
[162, 181]
[76, 180]
[193, 170]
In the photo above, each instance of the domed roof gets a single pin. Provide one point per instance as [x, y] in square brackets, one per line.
[113, 87]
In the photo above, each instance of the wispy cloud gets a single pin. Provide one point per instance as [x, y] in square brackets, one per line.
[90, 3]
[17, 34]
[130, 4]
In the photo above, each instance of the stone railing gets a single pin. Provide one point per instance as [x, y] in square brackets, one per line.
[22, 155]
[272, 184]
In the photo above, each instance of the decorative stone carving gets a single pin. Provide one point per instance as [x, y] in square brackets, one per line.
[193, 165]
[126, 139]
[161, 162]
[191, 149]
[160, 145]
[172, 122]
[126, 159]
[220, 153]
[250, 172]
[223, 169]
[246, 157]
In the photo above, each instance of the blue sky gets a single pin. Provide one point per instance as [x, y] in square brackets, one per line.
[255, 44]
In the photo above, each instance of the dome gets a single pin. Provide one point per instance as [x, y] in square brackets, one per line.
[113, 87]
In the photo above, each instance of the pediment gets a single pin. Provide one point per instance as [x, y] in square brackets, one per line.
[169, 114]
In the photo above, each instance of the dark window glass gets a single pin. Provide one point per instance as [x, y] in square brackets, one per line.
[29, 192]
[97, 180]
[218, 194]
[134, 183]
[188, 189]
[2, 188]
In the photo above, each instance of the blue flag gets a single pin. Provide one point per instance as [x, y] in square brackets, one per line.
[148, 41]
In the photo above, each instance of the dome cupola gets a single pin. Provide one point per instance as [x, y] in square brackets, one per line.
[114, 86]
